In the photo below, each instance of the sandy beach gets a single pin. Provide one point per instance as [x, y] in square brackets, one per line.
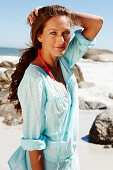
[91, 156]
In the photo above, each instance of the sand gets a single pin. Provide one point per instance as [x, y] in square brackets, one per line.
[92, 156]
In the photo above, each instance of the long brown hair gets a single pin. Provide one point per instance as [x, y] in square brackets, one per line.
[30, 54]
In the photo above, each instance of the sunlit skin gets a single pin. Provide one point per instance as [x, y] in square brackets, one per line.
[55, 39]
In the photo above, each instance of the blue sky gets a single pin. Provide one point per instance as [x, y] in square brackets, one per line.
[14, 31]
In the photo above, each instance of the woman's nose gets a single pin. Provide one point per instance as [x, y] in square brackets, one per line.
[60, 39]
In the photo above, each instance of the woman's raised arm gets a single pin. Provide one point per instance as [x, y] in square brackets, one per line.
[91, 23]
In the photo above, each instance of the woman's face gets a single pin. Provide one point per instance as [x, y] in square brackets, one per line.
[56, 36]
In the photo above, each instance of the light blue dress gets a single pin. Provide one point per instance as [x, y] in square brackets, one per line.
[51, 113]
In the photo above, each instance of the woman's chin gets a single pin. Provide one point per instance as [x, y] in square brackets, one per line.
[59, 53]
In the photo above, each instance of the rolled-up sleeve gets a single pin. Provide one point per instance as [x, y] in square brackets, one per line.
[32, 97]
[77, 48]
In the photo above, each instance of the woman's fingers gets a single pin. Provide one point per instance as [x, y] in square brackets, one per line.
[30, 19]
[32, 16]
[37, 9]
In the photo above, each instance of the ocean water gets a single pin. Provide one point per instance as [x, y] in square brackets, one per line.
[8, 51]
[9, 54]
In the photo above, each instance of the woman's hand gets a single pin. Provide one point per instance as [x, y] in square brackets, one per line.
[36, 160]
[32, 16]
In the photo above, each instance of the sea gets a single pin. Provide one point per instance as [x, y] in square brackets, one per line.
[9, 54]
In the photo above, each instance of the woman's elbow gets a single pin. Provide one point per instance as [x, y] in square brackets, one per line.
[100, 22]
[97, 26]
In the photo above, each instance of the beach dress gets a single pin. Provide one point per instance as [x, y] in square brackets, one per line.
[51, 113]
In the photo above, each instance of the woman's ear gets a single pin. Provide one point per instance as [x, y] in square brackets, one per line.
[39, 37]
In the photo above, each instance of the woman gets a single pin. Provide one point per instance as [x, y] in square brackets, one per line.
[47, 89]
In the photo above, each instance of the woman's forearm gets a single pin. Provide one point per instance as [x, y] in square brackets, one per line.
[36, 160]
[91, 23]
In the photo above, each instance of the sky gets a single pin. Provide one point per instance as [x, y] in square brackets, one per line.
[15, 32]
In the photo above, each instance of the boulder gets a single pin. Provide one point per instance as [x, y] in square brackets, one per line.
[88, 105]
[4, 96]
[84, 84]
[82, 104]
[79, 77]
[7, 109]
[8, 74]
[99, 55]
[111, 95]
[7, 64]
[101, 131]
[5, 78]
[11, 116]
[78, 73]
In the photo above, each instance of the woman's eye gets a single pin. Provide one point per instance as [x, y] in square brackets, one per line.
[53, 33]
[66, 32]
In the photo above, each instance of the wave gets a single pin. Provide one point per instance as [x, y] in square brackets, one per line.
[13, 59]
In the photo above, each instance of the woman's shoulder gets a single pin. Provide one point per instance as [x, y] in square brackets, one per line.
[34, 71]
[33, 75]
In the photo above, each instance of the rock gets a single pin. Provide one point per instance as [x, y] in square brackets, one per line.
[7, 64]
[13, 120]
[88, 105]
[5, 84]
[82, 104]
[111, 95]
[84, 84]
[78, 74]
[107, 147]
[99, 55]
[11, 116]
[8, 74]
[101, 131]
[4, 92]
[7, 109]
[3, 96]
[3, 77]
[1, 87]
[79, 77]
[112, 145]
[96, 105]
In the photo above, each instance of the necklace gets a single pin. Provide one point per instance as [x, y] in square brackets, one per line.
[39, 54]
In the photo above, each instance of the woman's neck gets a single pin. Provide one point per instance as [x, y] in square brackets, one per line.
[51, 61]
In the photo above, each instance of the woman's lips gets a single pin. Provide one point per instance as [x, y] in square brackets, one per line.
[61, 47]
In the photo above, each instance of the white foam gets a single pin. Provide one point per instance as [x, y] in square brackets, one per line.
[13, 59]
